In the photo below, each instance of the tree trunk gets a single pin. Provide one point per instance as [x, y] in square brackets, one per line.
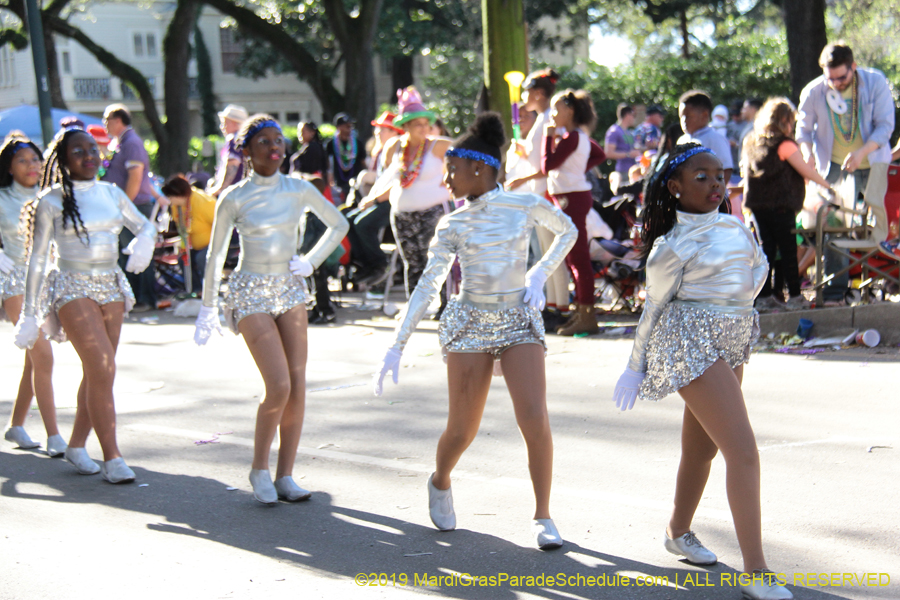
[304, 64]
[208, 113]
[505, 49]
[806, 36]
[173, 152]
[56, 96]
[401, 76]
[685, 36]
[356, 36]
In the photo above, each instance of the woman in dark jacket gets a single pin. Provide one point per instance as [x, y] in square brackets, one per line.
[310, 158]
[774, 190]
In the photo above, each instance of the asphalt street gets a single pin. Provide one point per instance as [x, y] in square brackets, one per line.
[828, 429]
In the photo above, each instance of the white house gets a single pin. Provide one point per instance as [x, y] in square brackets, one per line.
[134, 32]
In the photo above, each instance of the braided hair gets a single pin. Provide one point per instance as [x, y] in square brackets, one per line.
[15, 141]
[248, 130]
[660, 206]
[56, 171]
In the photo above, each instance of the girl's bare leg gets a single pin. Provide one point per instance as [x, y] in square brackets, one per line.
[94, 331]
[469, 379]
[523, 369]
[292, 326]
[264, 340]
[717, 404]
[36, 377]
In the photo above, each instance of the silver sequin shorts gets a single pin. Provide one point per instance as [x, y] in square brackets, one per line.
[687, 340]
[103, 288]
[464, 328]
[13, 284]
[251, 293]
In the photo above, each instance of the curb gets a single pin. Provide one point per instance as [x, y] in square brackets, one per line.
[884, 317]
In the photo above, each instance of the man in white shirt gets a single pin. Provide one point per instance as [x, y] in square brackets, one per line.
[695, 110]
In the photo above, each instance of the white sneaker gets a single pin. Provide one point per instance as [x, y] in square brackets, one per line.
[290, 491]
[20, 438]
[690, 547]
[116, 471]
[545, 534]
[440, 506]
[79, 458]
[765, 586]
[56, 446]
[263, 490]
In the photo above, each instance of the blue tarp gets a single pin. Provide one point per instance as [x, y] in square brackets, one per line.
[26, 118]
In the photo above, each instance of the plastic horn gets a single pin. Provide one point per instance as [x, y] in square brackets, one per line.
[515, 79]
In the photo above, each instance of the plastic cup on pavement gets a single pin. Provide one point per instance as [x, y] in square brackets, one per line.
[869, 338]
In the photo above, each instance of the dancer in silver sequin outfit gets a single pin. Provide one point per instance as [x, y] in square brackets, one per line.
[266, 299]
[496, 316]
[704, 270]
[89, 294]
[20, 174]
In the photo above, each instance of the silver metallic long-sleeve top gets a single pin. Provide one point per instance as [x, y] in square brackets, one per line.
[266, 212]
[708, 260]
[104, 210]
[12, 199]
[490, 235]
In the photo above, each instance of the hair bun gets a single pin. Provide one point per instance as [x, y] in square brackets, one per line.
[488, 127]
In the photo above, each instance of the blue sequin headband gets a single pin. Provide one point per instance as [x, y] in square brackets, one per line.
[256, 128]
[679, 160]
[21, 146]
[474, 155]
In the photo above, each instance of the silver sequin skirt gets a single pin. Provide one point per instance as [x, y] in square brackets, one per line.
[103, 288]
[13, 284]
[687, 340]
[251, 293]
[464, 328]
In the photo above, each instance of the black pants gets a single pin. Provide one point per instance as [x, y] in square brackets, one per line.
[142, 284]
[775, 234]
[413, 232]
[365, 240]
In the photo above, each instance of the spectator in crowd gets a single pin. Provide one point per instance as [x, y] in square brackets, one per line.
[565, 162]
[311, 157]
[199, 208]
[439, 129]
[774, 189]
[619, 141]
[345, 153]
[537, 89]
[373, 215]
[749, 110]
[845, 125]
[517, 165]
[230, 167]
[646, 135]
[695, 110]
[734, 132]
[129, 169]
[719, 121]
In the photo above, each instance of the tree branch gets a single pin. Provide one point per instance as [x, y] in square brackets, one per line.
[302, 62]
[120, 69]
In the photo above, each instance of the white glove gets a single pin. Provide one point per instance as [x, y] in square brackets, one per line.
[26, 333]
[534, 290]
[300, 266]
[627, 389]
[390, 363]
[6, 263]
[141, 253]
[207, 322]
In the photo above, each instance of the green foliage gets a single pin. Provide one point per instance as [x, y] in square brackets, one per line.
[452, 87]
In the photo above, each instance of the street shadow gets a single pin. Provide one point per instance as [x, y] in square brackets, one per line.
[343, 542]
